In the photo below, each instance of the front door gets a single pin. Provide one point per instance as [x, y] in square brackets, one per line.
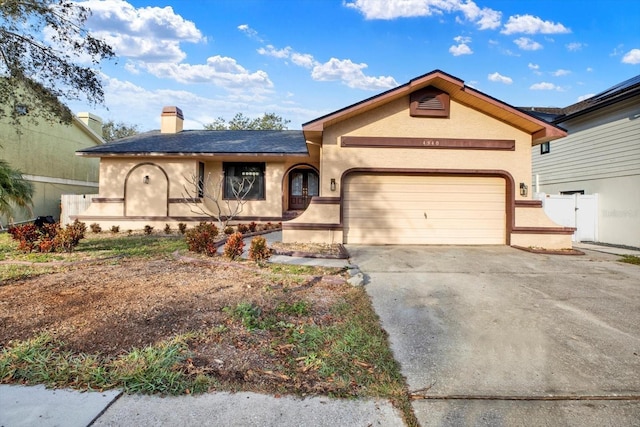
[303, 185]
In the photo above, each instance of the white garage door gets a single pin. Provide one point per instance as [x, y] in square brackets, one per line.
[391, 209]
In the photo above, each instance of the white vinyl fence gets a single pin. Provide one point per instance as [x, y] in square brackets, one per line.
[573, 210]
[73, 204]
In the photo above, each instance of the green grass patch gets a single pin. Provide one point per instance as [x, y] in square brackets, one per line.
[99, 246]
[10, 272]
[630, 259]
[131, 246]
[163, 368]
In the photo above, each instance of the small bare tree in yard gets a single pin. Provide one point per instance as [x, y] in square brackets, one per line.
[224, 206]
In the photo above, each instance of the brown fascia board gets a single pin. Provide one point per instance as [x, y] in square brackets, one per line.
[313, 129]
[548, 132]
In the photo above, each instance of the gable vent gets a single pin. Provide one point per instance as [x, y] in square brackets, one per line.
[429, 102]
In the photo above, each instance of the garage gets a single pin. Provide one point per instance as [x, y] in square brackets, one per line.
[419, 209]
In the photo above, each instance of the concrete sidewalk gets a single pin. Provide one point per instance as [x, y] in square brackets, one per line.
[37, 406]
[607, 249]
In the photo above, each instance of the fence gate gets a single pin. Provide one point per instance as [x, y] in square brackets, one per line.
[574, 210]
[73, 204]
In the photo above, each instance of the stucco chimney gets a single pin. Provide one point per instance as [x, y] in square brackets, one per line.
[171, 120]
[92, 121]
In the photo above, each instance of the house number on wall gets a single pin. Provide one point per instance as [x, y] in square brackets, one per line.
[427, 142]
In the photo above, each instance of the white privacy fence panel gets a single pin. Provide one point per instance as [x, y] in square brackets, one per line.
[73, 204]
[574, 210]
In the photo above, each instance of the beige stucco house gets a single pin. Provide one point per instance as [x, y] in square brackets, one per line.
[45, 154]
[430, 162]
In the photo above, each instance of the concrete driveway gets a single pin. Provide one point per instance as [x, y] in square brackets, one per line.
[495, 336]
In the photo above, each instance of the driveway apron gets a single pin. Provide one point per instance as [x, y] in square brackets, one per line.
[496, 336]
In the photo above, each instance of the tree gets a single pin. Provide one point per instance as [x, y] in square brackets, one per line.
[14, 190]
[42, 44]
[212, 192]
[217, 124]
[112, 131]
[268, 121]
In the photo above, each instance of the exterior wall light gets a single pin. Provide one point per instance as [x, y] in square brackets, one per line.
[145, 179]
[333, 184]
[523, 189]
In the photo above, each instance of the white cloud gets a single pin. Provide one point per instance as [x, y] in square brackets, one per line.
[221, 71]
[587, 96]
[137, 105]
[528, 24]
[344, 70]
[350, 74]
[462, 39]
[535, 68]
[499, 78]
[269, 50]
[617, 50]
[574, 47]
[632, 57]
[484, 18]
[250, 32]
[589, 69]
[544, 86]
[461, 49]
[561, 72]
[303, 59]
[146, 33]
[526, 43]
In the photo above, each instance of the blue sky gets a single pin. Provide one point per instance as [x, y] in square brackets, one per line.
[305, 58]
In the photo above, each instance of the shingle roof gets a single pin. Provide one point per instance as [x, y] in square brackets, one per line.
[192, 142]
[615, 93]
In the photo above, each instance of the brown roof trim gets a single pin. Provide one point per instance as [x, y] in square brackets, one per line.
[548, 132]
[528, 203]
[313, 129]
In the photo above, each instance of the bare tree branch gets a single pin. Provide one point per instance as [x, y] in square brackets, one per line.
[224, 210]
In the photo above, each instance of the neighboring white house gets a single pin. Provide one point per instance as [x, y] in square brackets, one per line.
[600, 155]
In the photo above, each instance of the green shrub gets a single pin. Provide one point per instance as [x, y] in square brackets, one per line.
[95, 228]
[259, 250]
[182, 227]
[228, 230]
[167, 229]
[148, 229]
[202, 238]
[242, 228]
[115, 229]
[234, 246]
[252, 227]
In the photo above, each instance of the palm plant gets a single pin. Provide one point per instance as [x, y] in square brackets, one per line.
[15, 191]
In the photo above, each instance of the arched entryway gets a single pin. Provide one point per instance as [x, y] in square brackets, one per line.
[146, 191]
[304, 183]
